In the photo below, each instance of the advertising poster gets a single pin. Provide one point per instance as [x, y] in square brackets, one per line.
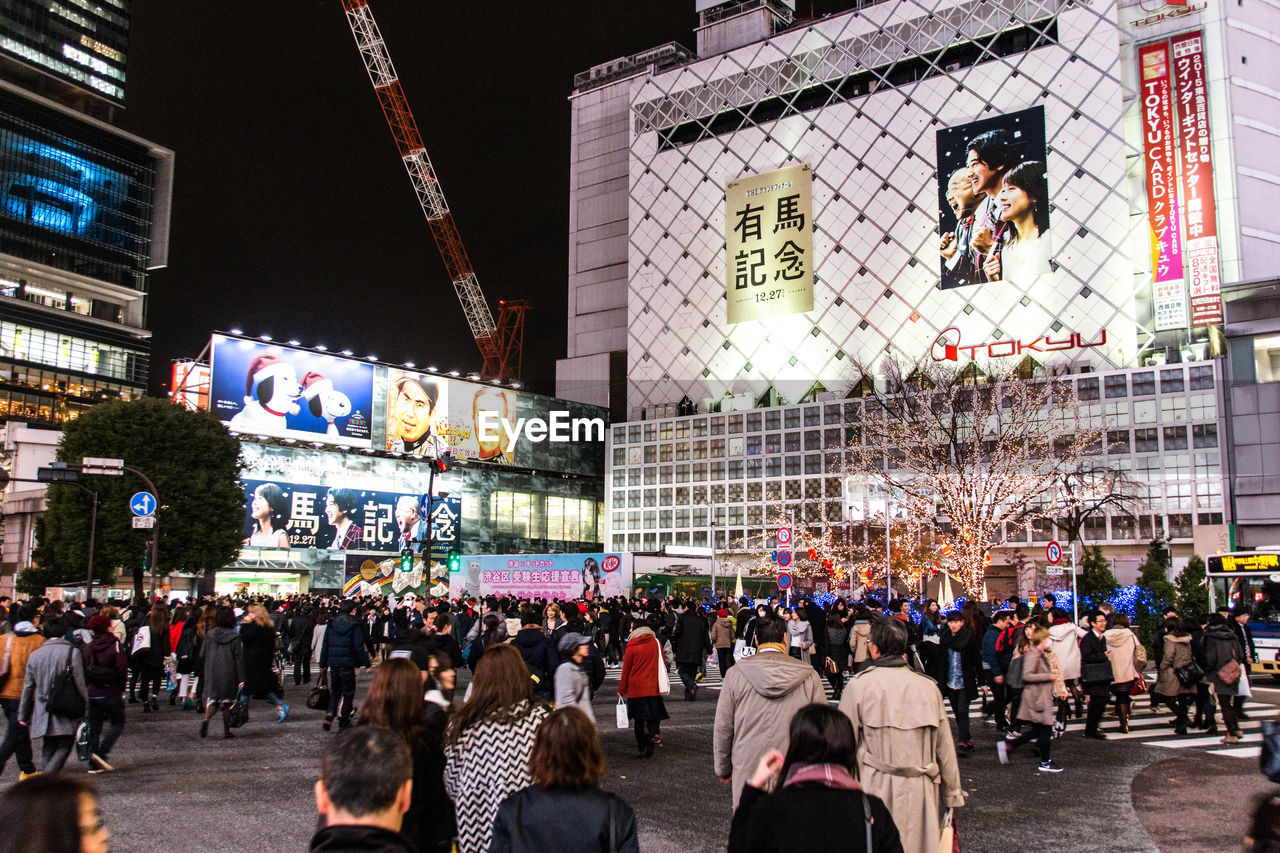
[280, 514]
[994, 200]
[378, 574]
[549, 576]
[421, 407]
[467, 439]
[1196, 169]
[769, 244]
[288, 393]
[1168, 287]
[417, 411]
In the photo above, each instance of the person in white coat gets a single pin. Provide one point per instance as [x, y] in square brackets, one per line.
[1065, 640]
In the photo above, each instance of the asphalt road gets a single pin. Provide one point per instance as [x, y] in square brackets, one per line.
[1146, 792]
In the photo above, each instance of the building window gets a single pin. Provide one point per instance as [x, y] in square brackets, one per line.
[1087, 389]
[633, 476]
[1144, 384]
[735, 469]
[1180, 525]
[773, 466]
[755, 468]
[1205, 435]
[682, 429]
[1118, 441]
[1201, 377]
[813, 463]
[1172, 381]
[735, 424]
[650, 475]
[1122, 527]
[717, 470]
[792, 467]
[717, 425]
[773, 442]
[699, 427]
[813, 439]
[1175, 438]
[1116, 386]
[1146, 441]
[753, 421]
[619, 456]
[650, 432]
[633, 434]
[791, 419]
[699, 472]
[664, 431]
[717, 448]
[619, 435]
[773, 419]
[813, 416]
[682, 473]
[1203, 407]
[682, 518]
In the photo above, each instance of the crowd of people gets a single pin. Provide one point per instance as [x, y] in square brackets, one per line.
[513, 761]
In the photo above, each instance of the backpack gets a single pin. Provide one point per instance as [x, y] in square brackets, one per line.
[1013, 676]
[97, 674]
[141, 641]
[186, 651]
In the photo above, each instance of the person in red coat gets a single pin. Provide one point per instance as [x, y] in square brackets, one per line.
[639, 684]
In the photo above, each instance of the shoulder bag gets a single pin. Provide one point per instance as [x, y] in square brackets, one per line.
[1230, 672]
[1189, 675]
[318, 697]
[664, 677]
[1013, 675]
[64, 696]
[1139, 654]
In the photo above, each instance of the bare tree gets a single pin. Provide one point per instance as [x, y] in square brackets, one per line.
[1092, 488]
[974, 454]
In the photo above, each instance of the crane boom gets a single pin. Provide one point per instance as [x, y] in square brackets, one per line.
[382, 73]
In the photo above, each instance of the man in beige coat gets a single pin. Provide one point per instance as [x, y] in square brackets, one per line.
[760, 695]
[906, 755]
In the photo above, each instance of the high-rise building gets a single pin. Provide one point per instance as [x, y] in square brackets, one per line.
[84, 213]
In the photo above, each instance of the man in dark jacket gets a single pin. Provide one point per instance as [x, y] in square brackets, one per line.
[1093, 650]
[364, 792]
[302, 626]
[539, 653]
[105, 669]
[1239, 624]
[995, 663]
[691, 641]
[341, 652]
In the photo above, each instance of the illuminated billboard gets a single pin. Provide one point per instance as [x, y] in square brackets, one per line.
[551, 576]
[264, 389]
[769, 244]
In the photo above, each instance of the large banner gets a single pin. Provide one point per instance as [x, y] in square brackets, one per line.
[260, 388]
[1196, 168]
[994, 200]
[549, 576]
[426, 413]
[374, 574]
[295, 515]
[769, 244]
[1168, 286]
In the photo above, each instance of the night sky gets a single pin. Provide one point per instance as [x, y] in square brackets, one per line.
[292, 214]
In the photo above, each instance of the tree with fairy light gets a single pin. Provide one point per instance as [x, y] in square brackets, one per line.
[975, 454]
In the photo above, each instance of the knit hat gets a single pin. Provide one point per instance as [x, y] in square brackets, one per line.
[99, 624]
[722, 612]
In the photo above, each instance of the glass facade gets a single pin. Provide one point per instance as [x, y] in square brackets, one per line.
[84, 42]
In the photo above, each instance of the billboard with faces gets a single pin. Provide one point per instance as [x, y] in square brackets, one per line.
[263, 389]
[427, 414]
[994, 201]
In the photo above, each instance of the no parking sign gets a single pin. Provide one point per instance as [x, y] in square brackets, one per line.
[784, 581]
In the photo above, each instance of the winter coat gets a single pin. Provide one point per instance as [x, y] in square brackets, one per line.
[317, 641]
[223, 664]
[993, 662]
[838, 644]
[105, 650]
[359, 839]
[906, 754]
[1244, 635]
[1093, 649]
[1037, 703]
[259, 644]
[43, 666]
[1122, 643]
[640, 665]
[722, 633]
[1221, 646]
[536, 819]
[539, 654]
[970, 660]
[758, 698]
[343, 645]
[860, 642]
[807, 817]
[301, 628]
[690, 640]
[489, 762]
[25, 639]
[1066, 645]
[1176, 653]
[573, 688]
[800, 636]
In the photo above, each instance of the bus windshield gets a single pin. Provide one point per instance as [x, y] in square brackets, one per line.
[1259, 593]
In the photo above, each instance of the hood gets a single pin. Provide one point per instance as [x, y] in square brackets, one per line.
[103, 642]
[640, 633]
[222, 636]
[527, 638]
[1062, 630]
[862, 629]
[724, 622]
[24, 629]
[773, 675]
[1220, 632]
[1119, 636]
[343, 624]
[1185, 639]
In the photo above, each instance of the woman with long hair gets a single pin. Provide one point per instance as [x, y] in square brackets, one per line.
[1042, 685]
[269, 510]
[176, 623]
[223, 669]
[394, 701]
[837, 651]
[150, 657]
[566, 765]
[486, 742]
[1021, 250]
[817, 798]
[56, 813]
[258, 633]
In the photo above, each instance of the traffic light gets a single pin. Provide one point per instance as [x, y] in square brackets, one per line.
[455, 561]
[442, 463]
[406, 560]
[146, 555]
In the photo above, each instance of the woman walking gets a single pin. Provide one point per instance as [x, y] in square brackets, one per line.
[150, 652]
[486, 742]
[639, 685]
[1037, 705]
[258, 634]
[1175, 655]
[837, 651]
[1223, 656]
[224, 673]
[1122, 650]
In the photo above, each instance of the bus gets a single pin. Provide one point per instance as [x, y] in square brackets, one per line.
[1251, 578]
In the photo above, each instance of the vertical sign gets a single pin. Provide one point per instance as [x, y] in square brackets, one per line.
[769, 244]
[1196, 169]
[1169, 290]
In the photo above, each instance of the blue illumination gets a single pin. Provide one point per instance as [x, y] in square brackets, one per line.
[55, 189]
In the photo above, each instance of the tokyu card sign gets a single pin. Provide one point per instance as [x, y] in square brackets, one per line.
[769, 244]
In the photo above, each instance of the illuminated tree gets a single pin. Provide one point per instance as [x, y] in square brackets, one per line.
[973, 455]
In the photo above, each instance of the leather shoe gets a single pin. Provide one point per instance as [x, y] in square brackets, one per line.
[1095, 735]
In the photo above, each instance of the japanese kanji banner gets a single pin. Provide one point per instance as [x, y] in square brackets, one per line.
[564, 576]
[1196, 168]
[769, 244]
[1159, 160]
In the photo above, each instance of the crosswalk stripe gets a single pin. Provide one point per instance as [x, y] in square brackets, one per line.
[1238, 752]
[1186, 743]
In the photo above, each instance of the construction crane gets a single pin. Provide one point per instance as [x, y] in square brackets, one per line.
[502, 343]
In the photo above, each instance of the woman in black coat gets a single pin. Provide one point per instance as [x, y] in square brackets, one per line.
[258, 634]
[301, 628]
[955, 668]
[817, 800]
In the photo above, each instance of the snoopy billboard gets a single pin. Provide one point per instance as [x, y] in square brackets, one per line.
[263, 389]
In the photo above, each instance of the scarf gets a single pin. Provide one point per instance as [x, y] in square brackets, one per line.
[642, 631]
[831, 775]
[1059, 686]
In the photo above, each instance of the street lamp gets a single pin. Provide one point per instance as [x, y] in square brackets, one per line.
[58, 472]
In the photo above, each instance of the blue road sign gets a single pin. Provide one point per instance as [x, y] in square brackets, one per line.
[143, 503]
[784, 581]
[784, 558]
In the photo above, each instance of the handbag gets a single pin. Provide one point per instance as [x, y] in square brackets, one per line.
[318, 697]
[1269, 760]
[1243, 689]
[664, 677]
[742, 650]
[1139, 657]
[1013, 675]
[65, 699]
[1229, 673]
[239, 714]
[949, 842]
[1189, 675]
[1139, 686]
[1095, 672]
[623, 722]
[830, 666]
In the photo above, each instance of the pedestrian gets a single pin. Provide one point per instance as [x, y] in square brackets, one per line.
[223, 674]
[149, 653]
[573, 687]
[1095, 673]
[956, 671]
[1239, 625]
[17, 647]
[185, 658]
[565, 767]
[394, 702]
[45, 688]
[538, 652]
[691, 642]
[363, 792]
[258, 634]
[837, 652]
[1036, 705]
[341, 653]
[302, 624]
[52, 814]
[722, 637]
[995, 663]
[106, 668]
[859, 639]
[643, 665]
[1175, 655]
[487, 742]
[1066, 648]
[906, 755]
[1223, 655]
[800, 641]
[816, 795]
[1127, 659]
[757, 701]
